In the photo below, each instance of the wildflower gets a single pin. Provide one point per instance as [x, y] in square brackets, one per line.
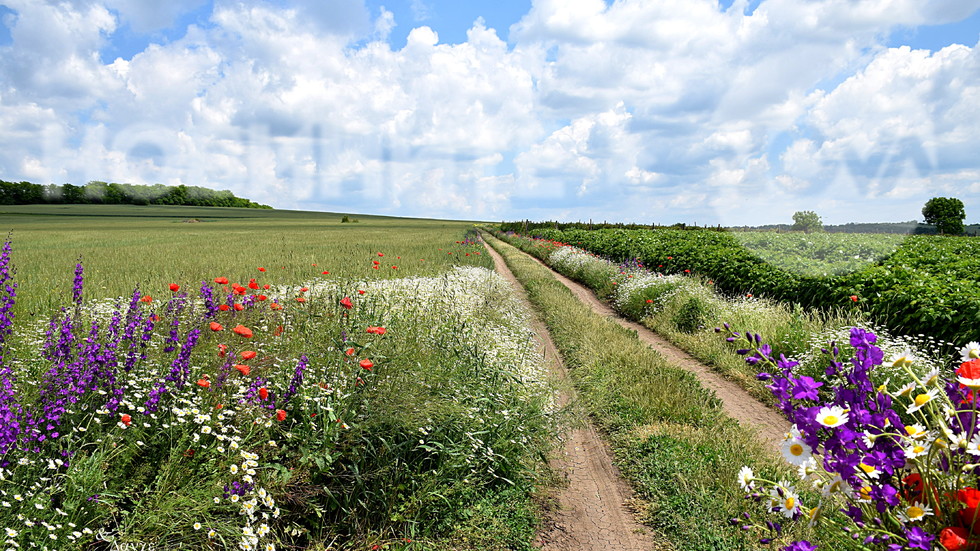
[921, 400]
[801, 545]
[126, 419]
[261, 298]
[970, 352]
[796, 451]
[361, 291]
[238, 307]
[854, 298]
[261, 269]
[280, 415]
[222, 350]
[745, 476]
[224, 307]
[243, 331]
[243, 369]
[197, 526]
[367, 364]
[263, 393]
[146, 298]
[346, 303]
[349, 352]
[968, 374]
[221, 280]
[248, 354]
[215, 326]
[174, 287]
[204, 382]
[300, 299]
[376, 330]
[833, 416]
[785, 500]
[252, 284]
[902, 359]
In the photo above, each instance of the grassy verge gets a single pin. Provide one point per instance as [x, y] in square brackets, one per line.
[671, 440]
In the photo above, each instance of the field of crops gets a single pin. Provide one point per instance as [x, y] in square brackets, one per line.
[929, 284]
[263, 382]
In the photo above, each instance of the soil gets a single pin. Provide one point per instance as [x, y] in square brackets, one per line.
[593, 510]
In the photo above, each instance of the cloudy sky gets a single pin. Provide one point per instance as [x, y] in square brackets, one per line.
[698, 111]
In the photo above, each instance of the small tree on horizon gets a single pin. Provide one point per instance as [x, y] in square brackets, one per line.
[807, 221]
[946, 213]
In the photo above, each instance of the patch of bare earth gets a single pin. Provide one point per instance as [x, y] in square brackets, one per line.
[592, 512]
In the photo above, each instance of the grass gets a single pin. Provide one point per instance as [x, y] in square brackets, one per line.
[678, 450]
[436, 442]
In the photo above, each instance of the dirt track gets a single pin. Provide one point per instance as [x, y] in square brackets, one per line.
[592, 513]
[592, 510]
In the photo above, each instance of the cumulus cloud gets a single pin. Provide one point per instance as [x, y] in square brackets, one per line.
[663, 111]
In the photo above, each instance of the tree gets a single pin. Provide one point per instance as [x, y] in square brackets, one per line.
[807, 221]
[946, 213]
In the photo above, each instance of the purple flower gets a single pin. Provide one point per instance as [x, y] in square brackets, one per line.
[800, 546]
[805, 388]
[919, 538]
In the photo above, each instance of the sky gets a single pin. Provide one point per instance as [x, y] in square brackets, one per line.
[730, 112]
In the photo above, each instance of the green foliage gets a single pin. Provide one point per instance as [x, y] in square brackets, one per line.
[95, 192]
[693, 315]
[807, 221]
[946, 213]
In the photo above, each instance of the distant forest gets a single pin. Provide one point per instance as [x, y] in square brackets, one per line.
[26, 193]
[910, 227]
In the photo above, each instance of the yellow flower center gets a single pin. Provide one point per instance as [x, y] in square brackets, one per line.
[975, 353]
[830, 420]
[867, 468]
[918, 449]
[865, 492]
[790, 503]
[796, 449]
[911, 430]
[915, 512]
[921, 399]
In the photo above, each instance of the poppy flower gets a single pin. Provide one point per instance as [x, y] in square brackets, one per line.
[261, 269]
[326, 273]
[215, 326]
[146, 298]
[854, 298]
[300, 299]
[954, 538]
[375, 267]
[204, 383]
[349, 351]
[376, 330]
[240, 290]
[361, 291]
[154, 317]
[275, 306]
[248, 354]
[346, 303]
[260, 298]
[243, 331]
[375, 262]
[224, 307]
[219, 406]
[222, 350]
[381, 254]
[252, 284]
[649, 301]
[687, 271]
[280, 415]
[188, 453]
[126, 419]
[221, 280]
[243, 369]
[278, 331]
[394, 267]
[266, 286]
[264, 393]
[238, 307]
[174, 287]
[366, 364]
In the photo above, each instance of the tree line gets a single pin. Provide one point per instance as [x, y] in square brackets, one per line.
[27, 193]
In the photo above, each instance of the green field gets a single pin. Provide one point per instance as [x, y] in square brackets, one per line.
[124, 246]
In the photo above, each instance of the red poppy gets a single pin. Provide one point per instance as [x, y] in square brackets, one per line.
[854, 298]
[252, 284]
[275, 306]
[264, 393]
[238, 307]
[146, 298]
[970, 369]
[222, 350]
[174, 287]
[243, 369]
[240, 290]
[349, 351]
[954, 538]
[361, 291]
[346, 303]
[969, 517]
[687, 271]
[326, 273]
[367, 364]
[670, 258]
[215, 326]
[300, 299]
[266, 286]
[224, 307]
[260, 298]
[649, 301]
[375, 267]
[748, 295]
[394, 267]
[376, 330]
[248, 354]
[280, 415]
[219, 406]
[261, 269]
[375, 262]
[221, 280]
[126, 419]
[188, 453]
[243, 331]
[278, 331]
[154, 317]
[203, 382]
[381, 254]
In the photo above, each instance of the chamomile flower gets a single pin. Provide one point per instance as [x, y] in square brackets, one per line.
[869, 471]
[807, 468]
[833, 486]
[198, 526]
[970, 351]
[832, 416]
[785, 500]
[796, 451]
[745, 477]
[902, 359]
[906, 390]
[916, 449]
[931, 378]
[914, 512]
[916, 431]
[921, 400]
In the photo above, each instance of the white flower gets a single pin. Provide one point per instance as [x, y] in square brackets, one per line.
[868, 470]
[833, 486]
[807, 468]
[916, 449]
[832, 416]
[921, 400]
[11, 533]
[745, 476]
[914, 512]
[915, 431]
[785, 500]
[902, 359]
[197, 526]
[796, 451]
[970, 351]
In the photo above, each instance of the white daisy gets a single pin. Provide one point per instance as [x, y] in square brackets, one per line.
[970, 351]
[833, 416]
[745, 478]
[833, 486]
[796, 451]
[807, 468]
[785, 500]
[902, 359]
[921, 400]
[868, 470]
[917, 449]
[914, 512]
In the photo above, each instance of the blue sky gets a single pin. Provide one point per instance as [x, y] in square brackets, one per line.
[737, 113]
